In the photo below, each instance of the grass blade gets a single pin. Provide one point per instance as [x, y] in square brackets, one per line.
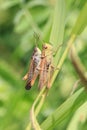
[81, 22]
[65, 110]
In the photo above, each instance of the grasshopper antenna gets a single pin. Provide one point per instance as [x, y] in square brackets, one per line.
[57, 49]
[37, 37]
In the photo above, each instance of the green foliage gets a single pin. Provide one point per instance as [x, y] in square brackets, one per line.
[66, 110]
[81, 22]
[55, 22]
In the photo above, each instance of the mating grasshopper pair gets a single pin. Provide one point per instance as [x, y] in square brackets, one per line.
[41, 64]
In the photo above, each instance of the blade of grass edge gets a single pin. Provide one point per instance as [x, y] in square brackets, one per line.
[57, 32]
[81, 21]
[79, 117]
[62, 112]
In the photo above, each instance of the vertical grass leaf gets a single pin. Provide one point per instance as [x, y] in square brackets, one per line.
[57, 31]
[58, 23]
[81, 21]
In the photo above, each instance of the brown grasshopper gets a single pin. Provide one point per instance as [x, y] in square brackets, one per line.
[33, 71]
[46, 68]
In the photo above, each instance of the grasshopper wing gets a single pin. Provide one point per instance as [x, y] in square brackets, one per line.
[35, 60]
[30, 75]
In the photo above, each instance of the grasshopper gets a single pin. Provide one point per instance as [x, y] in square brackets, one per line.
[46, 68]
[33, 72]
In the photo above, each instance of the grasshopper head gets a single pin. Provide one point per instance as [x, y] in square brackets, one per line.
[37, 50]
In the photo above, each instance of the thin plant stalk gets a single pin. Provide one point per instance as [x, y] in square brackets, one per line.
[33, 120]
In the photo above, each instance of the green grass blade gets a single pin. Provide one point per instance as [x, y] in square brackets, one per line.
[58, 23]
[79, 118]
[57, 32]
[65, 110]
[81, 22]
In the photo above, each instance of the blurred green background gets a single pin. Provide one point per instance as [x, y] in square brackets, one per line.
[19, 19]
